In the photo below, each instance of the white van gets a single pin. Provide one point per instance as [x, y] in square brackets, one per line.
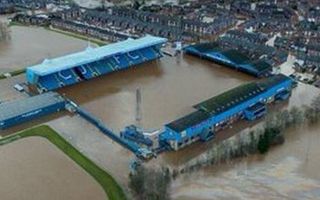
[18, 87]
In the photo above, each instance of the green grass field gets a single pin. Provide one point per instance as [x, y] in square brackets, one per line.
[110, 186]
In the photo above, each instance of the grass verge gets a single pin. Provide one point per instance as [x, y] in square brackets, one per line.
[13, 73]
[110, 186]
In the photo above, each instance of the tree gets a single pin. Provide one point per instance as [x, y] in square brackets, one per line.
[103, 3]
[150, 184]
[312, 112]
[296, 116]
[4, 32]
[316, 104]
[137, 180]
[263, 144]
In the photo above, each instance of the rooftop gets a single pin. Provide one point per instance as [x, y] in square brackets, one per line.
[224, 101]
[188, 121]
[205, 47]
[261, 65]
[235, 96]
[18, 107]
[230, 98]
[50, 66]
[236, 56]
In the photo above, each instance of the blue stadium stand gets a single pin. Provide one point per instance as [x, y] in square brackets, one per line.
[71, 69]
[247, 101]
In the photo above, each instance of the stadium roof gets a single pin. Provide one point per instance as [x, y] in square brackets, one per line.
[50, 66]
[18, 107]
[235, 96]
[261, 65]
[224, 101]
[188, 121]
[206, 47]
[229, 99]
[236, 56]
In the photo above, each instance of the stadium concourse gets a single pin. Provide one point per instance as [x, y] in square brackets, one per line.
[92, 62]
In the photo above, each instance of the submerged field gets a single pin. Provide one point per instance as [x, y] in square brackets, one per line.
[33, 168]
[31, 45]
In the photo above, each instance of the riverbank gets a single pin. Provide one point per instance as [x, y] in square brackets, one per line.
[110, 186]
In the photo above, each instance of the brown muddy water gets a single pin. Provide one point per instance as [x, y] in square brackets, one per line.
[288, 171]
[169, 87]
[31, 45]
[34, 169]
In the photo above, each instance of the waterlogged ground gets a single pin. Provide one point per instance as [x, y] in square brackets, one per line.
[169, 88]
[288, 171]
[34, 169]
[280, 180]
[31, 45]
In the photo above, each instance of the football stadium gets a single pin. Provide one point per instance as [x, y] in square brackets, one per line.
[245, 102]
[71, 69]
[231, 58]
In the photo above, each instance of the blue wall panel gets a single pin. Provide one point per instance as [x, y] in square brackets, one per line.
[170, 134]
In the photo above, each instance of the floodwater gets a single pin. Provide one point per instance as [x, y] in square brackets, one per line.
[169, 87]
[34, 169]
[7, 92]
[288, 171]
[31, 45]
[98, 147]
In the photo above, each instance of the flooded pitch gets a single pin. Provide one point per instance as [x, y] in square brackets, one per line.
[169, 88]
[31, 45]
[34, 169]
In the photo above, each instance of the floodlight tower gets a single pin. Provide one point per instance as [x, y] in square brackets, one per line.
[138, 107]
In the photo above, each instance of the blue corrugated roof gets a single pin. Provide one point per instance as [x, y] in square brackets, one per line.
[93, 54]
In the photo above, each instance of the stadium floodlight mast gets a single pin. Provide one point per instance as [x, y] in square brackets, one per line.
[138, 107]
